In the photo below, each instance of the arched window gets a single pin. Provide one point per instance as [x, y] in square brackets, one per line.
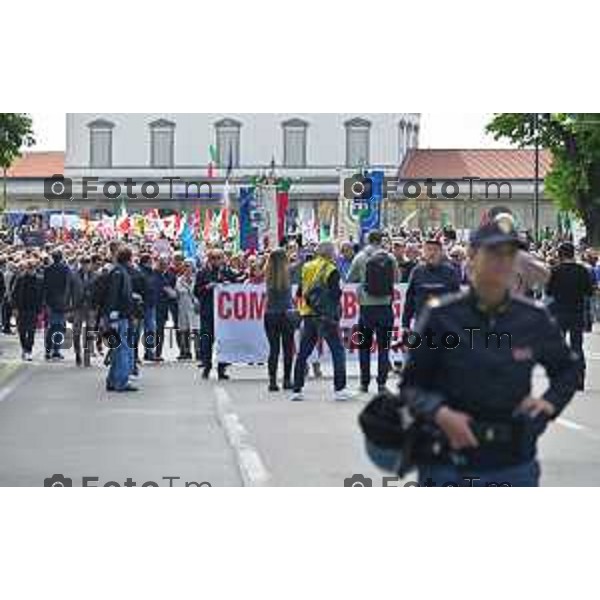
[228, 142]
[358, 133]
[415, 137]
[294, 143]
[162, 144]
[101, 143]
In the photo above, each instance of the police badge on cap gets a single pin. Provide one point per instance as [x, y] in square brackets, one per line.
[498, 230]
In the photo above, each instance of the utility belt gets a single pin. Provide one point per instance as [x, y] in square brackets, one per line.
[398, 443]
[501, 443]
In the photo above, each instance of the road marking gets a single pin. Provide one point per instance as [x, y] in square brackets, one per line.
[570, 424]
[14, 382]
[253, 471]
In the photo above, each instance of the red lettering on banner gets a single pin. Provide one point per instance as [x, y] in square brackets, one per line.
[240, 306]
[224, 313]
[257, 305]
[349, 304]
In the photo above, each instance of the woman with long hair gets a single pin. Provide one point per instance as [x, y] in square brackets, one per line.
[279, 325]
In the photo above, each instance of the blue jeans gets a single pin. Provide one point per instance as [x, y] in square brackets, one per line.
[149, 338]
[312, 329]
[122, 358]
[522, 475]
[57, 327]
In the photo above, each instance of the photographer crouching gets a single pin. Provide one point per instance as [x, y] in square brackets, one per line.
[469, 386]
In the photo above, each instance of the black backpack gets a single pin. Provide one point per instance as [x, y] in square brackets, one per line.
[380, 272]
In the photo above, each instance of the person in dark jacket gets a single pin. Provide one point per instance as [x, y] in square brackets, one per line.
[27, 300]
[570, 289]
[433, 279]
[152, 291]
[468, 379]
[214, 273]
[83, 313]
[119, 308]
[167, 303]
[57, 290]
[136, 320]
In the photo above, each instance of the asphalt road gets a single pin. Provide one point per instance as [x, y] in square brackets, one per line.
[57, 419]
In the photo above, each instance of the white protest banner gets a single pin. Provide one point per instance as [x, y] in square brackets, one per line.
[239, 329]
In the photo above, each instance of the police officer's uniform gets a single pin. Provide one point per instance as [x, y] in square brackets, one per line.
[487, 375]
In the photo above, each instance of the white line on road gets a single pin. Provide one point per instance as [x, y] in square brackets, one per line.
[253, 471]
[14, 382]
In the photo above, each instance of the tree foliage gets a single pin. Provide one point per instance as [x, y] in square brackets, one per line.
[15, 132]
[574, 141]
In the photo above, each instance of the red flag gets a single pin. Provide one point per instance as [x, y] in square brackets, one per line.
[283, 202]
[207, 224]
[225, 223]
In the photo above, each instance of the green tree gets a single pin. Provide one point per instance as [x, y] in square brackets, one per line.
[15, 133]
[574, 141]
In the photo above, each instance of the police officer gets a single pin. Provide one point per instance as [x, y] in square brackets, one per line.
[469, 381]
[570, 289]
[432, 279]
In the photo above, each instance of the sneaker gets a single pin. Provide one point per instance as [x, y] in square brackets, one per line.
[28, 357]
[273, 387]
[297, 397]
[343, 395]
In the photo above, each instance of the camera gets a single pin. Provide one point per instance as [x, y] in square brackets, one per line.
[358, 481]
[358, 187]
[58, 480]
[58, 187]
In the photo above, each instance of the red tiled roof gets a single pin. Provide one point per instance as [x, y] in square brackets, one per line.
[38, 164]
[485, 164]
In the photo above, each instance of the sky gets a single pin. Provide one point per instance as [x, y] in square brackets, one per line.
[438, 130]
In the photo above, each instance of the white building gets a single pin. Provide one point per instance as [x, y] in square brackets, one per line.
[314, 149]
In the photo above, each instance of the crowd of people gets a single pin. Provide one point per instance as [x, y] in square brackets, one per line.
[146, 293]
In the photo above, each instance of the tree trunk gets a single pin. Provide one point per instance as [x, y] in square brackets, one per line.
[591, 219]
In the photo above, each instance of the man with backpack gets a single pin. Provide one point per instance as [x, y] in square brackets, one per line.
[320, 293]
[375, 270]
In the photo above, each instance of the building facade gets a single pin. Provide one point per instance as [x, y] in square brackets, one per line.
[314, 150]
